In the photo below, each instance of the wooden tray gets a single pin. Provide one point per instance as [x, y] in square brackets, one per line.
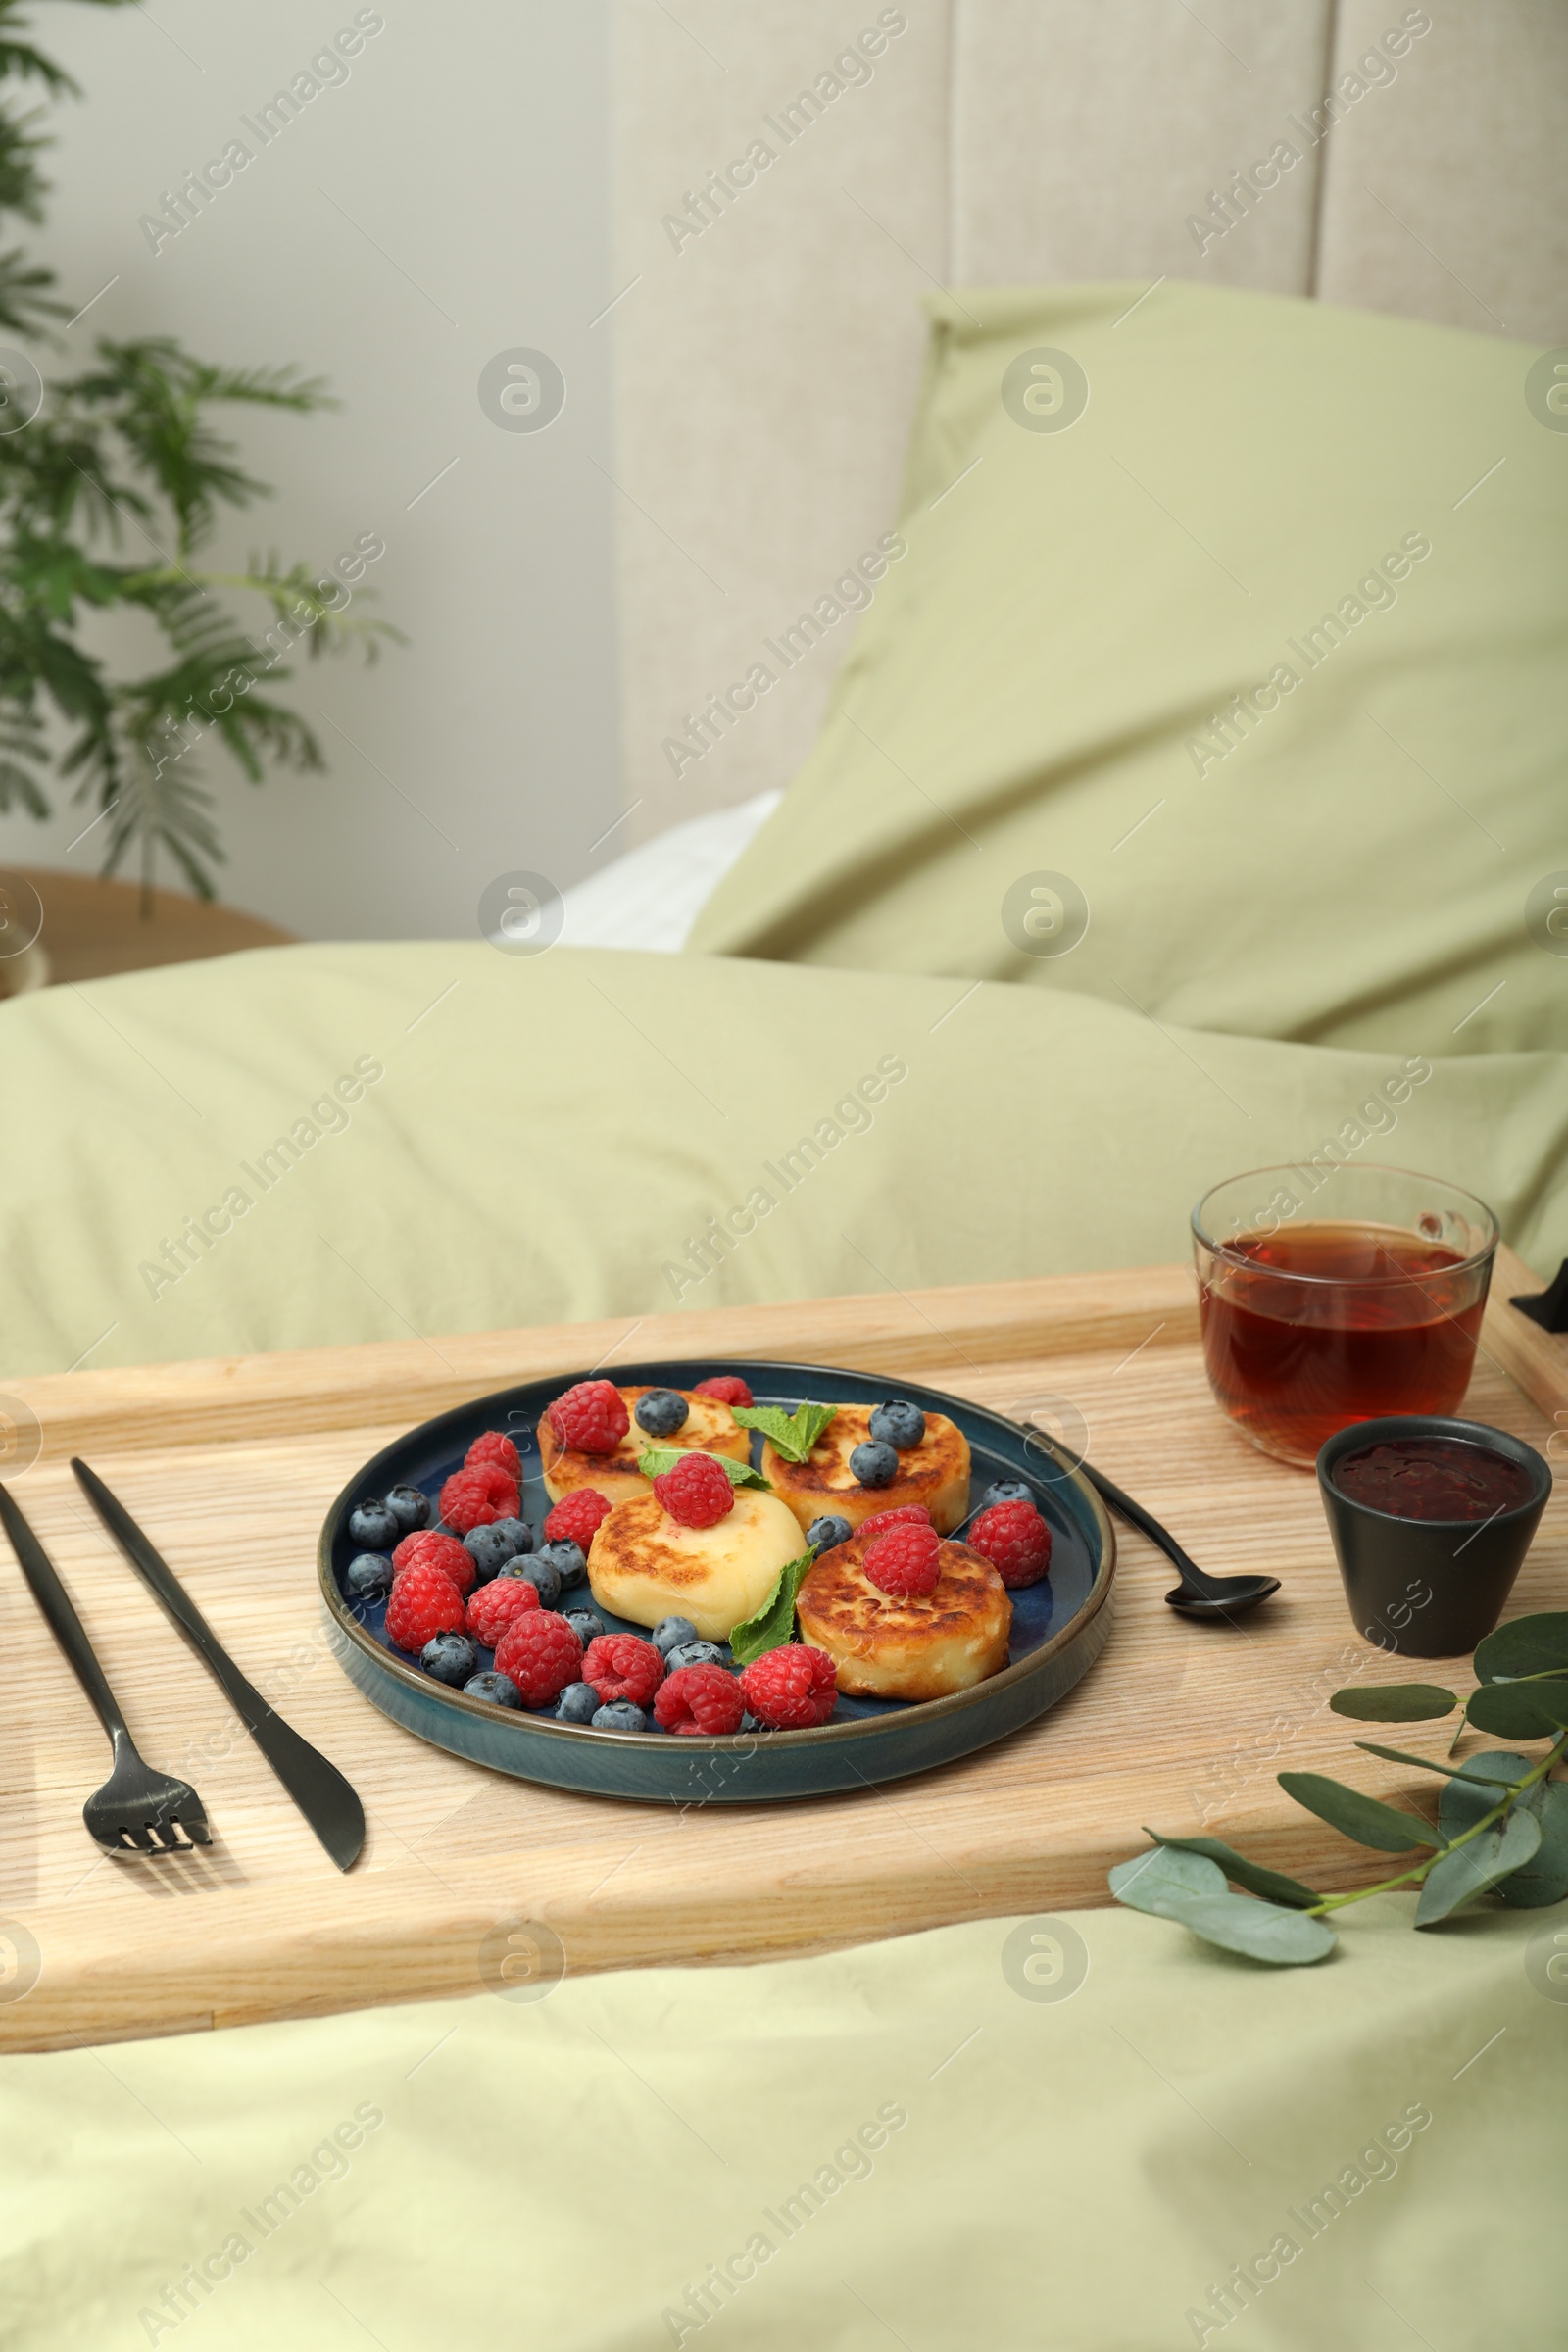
[230, 1466]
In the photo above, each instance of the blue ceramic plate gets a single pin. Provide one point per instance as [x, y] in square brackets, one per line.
[1059, 1626]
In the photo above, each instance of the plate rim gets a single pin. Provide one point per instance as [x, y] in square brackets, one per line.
[819, 1736]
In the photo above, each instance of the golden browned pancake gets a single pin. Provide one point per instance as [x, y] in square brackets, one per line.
[936, 1472]
[921, 1648]
[645, 1565]
[709, 1427]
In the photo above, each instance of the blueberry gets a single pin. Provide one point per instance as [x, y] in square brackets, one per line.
[491, 1548]
[898, 1425]
[670, 1632]
[585, 1625]
[567, 1558]
[661, 1412]
[874, 1465]
[540, 1572]
[499, 1689]
[450, 1657]
[368, 1576]
[410, 1508]
[620, 1716]
[1008, 1490]
[695, 1654]
[375, 1527]
[577, 1703]
[830, 1529]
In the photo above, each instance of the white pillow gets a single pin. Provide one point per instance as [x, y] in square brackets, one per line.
[652, 896]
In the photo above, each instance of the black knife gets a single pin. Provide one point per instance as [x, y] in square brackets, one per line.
[316, 1787]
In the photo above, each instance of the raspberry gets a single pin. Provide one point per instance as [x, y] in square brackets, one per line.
[475, 1497]
[541, 1655]
[432, 1547]
[623, 1666]
[496, 1451]
[909, 1514]
[494, 1608]
[1016, 1539]
[905, 1562]
[791, 1688]
[590, 1418]
[423, 1602]
[696, 1492]
[700, 1698]
[575, 1518]
[727, 1387]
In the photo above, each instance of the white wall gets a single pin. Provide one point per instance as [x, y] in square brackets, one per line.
[469, 148]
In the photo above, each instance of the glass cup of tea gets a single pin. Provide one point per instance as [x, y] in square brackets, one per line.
[1330, 1293]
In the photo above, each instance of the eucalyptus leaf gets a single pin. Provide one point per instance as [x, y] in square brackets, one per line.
[1545, 1876]
[1237, 1924]
[773, 1624]
[1273, 1884]
[1473, 1791]
[1395, 1702]
[660, 1458]
[1451, 1772]
[1520, 1710]
[1459, 1877]
[1535, 1644]
[1362, 1818]
[1164, 1879]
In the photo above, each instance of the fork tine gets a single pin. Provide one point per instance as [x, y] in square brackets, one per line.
[167, 1830]
[194, 1824]
[135, 1835]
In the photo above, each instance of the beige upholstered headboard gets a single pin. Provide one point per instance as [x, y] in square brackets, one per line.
[767, 324]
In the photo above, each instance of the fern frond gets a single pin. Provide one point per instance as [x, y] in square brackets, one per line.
[157, 803]
[23, 752]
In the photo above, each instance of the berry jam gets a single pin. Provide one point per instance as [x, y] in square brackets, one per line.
[1434, 1478]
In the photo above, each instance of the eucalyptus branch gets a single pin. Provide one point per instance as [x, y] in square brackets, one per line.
[1522, 1694]
[1414, 1876]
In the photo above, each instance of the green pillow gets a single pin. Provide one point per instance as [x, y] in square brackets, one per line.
[1235, 629]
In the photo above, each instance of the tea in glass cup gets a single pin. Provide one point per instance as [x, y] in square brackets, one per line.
[1327, 1298]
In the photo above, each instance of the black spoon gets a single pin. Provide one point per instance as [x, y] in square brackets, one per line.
[1196, 1594]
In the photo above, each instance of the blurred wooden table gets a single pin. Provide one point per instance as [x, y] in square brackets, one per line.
[92, 928]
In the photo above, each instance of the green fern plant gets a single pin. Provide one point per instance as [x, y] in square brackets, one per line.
[106, 497]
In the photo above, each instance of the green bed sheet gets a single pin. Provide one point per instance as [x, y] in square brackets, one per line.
[894, 2147]
[315, 1144]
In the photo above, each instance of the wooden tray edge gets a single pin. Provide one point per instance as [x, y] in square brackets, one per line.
[381, 1382]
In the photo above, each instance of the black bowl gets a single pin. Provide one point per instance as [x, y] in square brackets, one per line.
[1428, 1588]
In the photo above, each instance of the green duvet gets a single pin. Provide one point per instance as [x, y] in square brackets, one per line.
[315, 1143]
[900, 2145]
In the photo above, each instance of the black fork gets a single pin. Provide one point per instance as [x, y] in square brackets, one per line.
[136, 1806]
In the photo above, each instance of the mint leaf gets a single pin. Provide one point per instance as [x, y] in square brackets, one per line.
[793, 1434]
[660, 1458]
[772, 1625]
